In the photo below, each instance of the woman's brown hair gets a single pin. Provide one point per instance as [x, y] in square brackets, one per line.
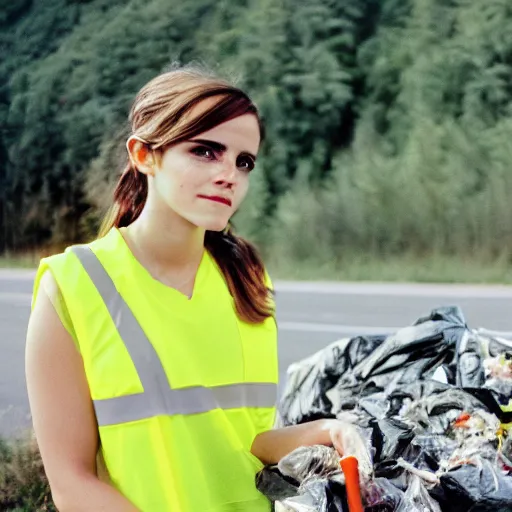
[160, 116]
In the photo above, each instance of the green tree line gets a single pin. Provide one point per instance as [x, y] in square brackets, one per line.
[388, 121]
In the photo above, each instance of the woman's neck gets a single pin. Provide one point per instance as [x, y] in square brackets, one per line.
[166, 244]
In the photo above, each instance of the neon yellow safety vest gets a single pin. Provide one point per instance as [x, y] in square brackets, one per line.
[180, 387]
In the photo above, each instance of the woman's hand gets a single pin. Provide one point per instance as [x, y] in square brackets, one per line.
[346, 438]
[271, 446]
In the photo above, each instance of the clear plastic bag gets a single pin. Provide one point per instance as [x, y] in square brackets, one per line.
[317, 471]
[318, 496]
[310, 462]
[298, 504]
[417, 498]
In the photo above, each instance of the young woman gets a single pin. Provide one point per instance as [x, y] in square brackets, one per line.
[151, 355]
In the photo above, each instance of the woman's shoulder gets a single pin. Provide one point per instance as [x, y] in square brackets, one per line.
[59, 271]
[48, 285]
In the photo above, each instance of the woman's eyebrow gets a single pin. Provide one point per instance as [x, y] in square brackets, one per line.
[217, 146]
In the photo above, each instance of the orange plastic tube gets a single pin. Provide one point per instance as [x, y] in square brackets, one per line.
[350, 468]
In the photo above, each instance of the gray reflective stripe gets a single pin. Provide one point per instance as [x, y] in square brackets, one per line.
[158, 398]
[196, 400]
[146, 361]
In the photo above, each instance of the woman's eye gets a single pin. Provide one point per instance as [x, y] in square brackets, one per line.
[245, 163]
[204, 152]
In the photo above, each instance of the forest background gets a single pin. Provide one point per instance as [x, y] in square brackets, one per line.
[389, 122]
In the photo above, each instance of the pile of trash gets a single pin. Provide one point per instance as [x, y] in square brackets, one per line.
[433, 406]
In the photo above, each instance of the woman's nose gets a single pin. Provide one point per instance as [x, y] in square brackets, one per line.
[227, 175]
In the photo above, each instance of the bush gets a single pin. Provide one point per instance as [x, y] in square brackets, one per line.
[435, 197]
[23, 483]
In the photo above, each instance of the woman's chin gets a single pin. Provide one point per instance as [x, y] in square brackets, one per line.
[217, 228]
[214, 225]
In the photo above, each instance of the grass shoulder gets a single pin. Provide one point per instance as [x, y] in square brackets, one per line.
[432, 268]
[406, 268]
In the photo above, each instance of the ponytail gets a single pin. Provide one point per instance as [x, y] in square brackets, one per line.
[244, 273]
[130, 197]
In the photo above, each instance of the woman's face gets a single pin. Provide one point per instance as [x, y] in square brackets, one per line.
[205, 179]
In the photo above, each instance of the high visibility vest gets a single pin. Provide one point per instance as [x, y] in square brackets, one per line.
[178, 399]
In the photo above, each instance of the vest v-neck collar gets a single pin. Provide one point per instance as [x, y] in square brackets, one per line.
[145, 279]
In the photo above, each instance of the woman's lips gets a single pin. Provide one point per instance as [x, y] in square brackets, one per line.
[217, 199]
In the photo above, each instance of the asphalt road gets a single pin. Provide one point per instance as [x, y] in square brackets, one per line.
[310, 316]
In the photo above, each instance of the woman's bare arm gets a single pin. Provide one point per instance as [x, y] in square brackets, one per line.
[63, 415]
[271, 446]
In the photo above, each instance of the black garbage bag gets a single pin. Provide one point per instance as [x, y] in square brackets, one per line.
[305, 397]
[409, 355]
[426, 339]
[351, 369]
[470, 371]
[274, 485]
[407, 392]
[431, 449]
[471, 488]
[391, 438]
